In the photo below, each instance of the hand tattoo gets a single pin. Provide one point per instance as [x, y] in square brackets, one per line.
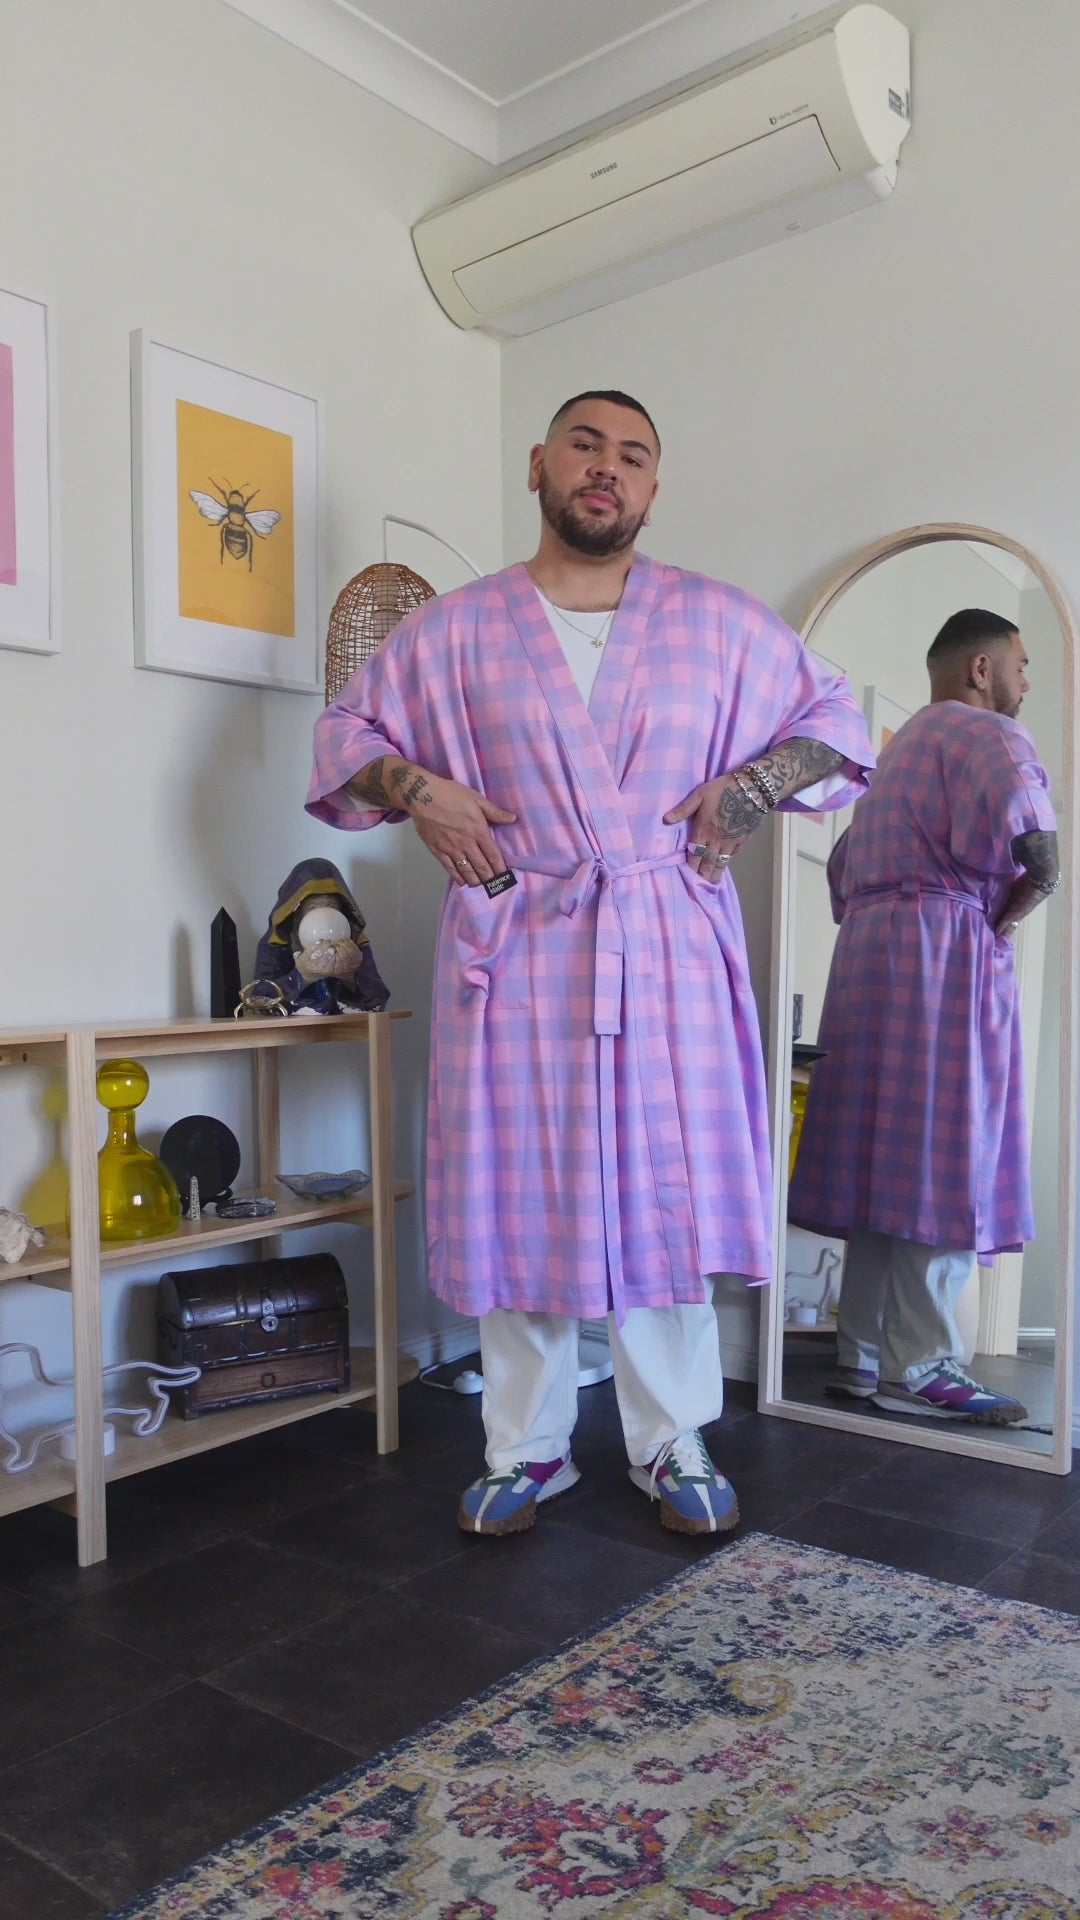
[737, 815]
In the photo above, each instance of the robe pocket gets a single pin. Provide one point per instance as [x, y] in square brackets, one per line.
[697, 940]
[490, 944]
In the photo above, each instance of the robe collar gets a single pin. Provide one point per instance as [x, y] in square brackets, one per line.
[591, 736]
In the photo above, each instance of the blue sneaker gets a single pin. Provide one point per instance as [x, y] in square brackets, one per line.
[948, 1393]
[505, 1499]
[693, 1497]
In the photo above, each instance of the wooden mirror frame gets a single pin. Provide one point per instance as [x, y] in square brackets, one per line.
[954, 1437]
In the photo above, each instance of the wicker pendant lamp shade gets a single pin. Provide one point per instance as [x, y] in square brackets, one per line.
[364, 613]
[372, 604]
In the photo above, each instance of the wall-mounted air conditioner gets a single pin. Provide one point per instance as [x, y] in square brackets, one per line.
[784, 142]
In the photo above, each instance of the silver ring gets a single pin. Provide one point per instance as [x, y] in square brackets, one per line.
[464, 861]
[697, 847]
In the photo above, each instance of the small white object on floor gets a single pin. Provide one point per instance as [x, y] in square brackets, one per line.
[469, 1382]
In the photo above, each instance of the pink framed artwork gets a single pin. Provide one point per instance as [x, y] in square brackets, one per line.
[28, 560]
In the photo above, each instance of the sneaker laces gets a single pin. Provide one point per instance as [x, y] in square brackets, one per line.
[689, 1456]
[956, 1372]
[503, 1476]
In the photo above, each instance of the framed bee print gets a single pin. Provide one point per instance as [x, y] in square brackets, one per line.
[226, 522]
[29, 617]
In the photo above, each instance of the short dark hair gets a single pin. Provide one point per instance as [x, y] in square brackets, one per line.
[615, 399]
[965, 633]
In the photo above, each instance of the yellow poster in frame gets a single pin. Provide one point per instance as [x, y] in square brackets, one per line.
[235, 531]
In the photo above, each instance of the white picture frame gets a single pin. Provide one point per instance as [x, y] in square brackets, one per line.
[884, 717]
[215, 521]
[29, 475]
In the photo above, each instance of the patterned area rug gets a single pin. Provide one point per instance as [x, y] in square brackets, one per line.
[778, 1734]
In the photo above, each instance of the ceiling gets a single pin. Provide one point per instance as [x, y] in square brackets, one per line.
[502, 77]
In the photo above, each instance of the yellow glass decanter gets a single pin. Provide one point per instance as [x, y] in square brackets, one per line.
[138, 1197]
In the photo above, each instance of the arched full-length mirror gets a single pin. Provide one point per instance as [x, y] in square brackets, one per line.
[1008, 1313]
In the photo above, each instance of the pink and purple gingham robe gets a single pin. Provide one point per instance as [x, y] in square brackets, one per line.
[597, 1117]
[915, 1124]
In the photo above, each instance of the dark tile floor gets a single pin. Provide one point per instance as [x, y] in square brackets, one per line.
[275, 1612]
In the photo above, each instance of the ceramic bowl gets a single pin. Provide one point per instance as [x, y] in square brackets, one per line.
[325, 1186]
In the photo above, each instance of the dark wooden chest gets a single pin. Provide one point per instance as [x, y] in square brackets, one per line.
[266, 1330]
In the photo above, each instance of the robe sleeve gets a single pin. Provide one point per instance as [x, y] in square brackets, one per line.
[819, 705]
[1004, 791]
[371, 717]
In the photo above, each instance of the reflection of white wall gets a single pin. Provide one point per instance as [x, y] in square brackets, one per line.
[880, 631]
[1042, 716]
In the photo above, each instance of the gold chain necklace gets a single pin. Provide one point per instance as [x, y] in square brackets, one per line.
[596, 640]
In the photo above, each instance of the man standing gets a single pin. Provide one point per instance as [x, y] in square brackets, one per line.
[915, 1144]
[583, 742]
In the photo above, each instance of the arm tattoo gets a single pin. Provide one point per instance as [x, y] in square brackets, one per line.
[404, 786]
[789, 768]
[369, 784]
[417, 792]
[800, 763]
[1037, 853]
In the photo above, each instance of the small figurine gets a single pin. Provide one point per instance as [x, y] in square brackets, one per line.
[16, 1234]
[315, 957]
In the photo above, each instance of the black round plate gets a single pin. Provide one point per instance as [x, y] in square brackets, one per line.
[205, 1147]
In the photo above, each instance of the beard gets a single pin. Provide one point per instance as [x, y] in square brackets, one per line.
[1003, 697]
[582, 531]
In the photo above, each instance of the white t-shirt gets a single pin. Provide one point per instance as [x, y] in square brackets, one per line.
[577, 631]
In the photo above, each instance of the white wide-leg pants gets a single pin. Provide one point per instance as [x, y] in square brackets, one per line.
[668, 1380]
[897, 1313]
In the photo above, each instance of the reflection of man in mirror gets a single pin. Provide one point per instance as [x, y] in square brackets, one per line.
[915, 1144]
[610, 730]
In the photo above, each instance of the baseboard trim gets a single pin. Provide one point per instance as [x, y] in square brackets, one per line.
[447, 1343]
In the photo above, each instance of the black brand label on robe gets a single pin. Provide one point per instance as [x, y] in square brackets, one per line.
[499, 883]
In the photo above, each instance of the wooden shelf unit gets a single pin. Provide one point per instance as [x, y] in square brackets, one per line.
[76, 1263]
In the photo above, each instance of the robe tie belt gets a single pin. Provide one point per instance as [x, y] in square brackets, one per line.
[578, 887]
[911, 890]
[607, 879]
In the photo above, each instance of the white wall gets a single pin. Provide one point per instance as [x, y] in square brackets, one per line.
[181, 169]
[908, 364]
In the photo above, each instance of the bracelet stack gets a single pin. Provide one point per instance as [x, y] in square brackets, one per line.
[764, 782]
[750, 792]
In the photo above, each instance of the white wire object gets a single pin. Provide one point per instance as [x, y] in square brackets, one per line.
[828, 1270]
[147, 1419]
[417, 526]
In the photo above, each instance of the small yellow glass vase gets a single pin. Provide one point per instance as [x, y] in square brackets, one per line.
[799, 1094]
[138, 1197]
